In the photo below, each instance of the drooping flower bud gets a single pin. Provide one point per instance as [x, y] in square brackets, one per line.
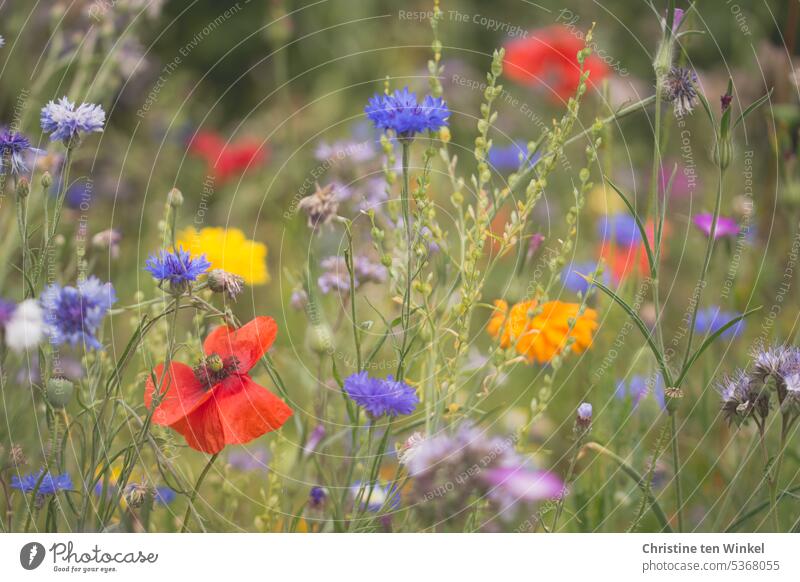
[220, 281]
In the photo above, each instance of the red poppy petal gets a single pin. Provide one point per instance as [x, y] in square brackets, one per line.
[248, 343]
[248, 410]
[183, 393]
[202, 429]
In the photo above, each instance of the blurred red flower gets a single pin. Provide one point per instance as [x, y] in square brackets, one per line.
[226, 160]
[216, 403]
[622, 260]
[549, 57]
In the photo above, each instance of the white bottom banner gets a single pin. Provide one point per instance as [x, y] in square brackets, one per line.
[395, 557]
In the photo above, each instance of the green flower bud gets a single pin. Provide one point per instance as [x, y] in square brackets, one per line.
[59, 391]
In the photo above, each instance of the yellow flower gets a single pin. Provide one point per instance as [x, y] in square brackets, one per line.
[229, 250]
[544, 334]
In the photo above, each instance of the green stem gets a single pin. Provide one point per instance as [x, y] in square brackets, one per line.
[197, 485]
[406, 206]
[676, 467]
[568, 479]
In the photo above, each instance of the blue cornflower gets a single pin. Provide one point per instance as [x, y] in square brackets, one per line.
[381, 495]
[74, 314]
[63, 121]
[13, 146]
[402, 113]
[711, 319]
[50, 484]
[571, 276]
[638, 387]
[381, 397]
[620, 228]
[511, 157]
[164, 495]
[176, 267]
[317, 497]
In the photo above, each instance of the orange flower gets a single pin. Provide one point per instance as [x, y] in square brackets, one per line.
[217, 403]
[544, 335]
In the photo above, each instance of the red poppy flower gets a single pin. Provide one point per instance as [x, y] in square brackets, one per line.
[624, 260]
[227, 160]
[549, 57]
[216, 403]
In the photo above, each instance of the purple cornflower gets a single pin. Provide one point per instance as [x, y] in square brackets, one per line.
[317, 497]
[337, 278]
[249, 459]
[511, 157]
[50, 484]
[63, 121]
[403, 114]
[572, 279]
[13, 147]
[379, 396]
[176, 267]
[620, 228]
[681, 90]
[584, 413]
[725, 226]
[637, 388]
[164, 495]
[74, 314]
[711, 320]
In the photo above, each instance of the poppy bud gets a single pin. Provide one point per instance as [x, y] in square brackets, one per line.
[319, 339]
[47, 180]
[59, 391]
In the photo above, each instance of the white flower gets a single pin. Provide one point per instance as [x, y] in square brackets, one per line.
[410, 448]
[26, 327]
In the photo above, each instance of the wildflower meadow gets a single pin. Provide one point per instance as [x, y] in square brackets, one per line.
[445, 266]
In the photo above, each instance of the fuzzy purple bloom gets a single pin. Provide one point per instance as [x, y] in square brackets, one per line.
[337, 278]
[379, 396]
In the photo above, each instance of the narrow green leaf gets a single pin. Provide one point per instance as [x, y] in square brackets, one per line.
[753, 106]
[709, 340]
[640, 324]
[650, 259]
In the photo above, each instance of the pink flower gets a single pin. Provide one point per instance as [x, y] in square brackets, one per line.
[725, 226]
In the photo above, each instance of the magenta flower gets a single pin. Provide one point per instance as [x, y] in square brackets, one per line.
[725, 226]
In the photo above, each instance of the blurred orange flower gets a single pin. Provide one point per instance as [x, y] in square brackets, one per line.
[542, 334]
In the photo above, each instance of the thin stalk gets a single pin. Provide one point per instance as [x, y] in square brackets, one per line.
[406, 206]
[197, 485]
[676, 464]
[570, 472]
